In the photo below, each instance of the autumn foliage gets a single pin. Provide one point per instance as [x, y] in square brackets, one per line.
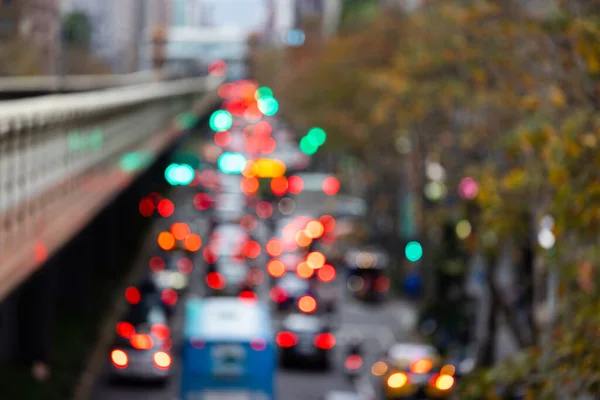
[511, 100]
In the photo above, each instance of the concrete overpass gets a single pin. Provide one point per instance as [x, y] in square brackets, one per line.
[63, 159]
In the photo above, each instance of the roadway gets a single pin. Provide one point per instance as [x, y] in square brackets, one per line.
[380, 325]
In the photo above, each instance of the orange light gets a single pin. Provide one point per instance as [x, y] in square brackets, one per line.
[252, 249]
[444, 382]
[249, 185]
[179, 230]
[304, 270]
[141, 342]
[307, 304]
[326, 274]
[421, 366]
[193, 242]
[279, 185]
[274, 247]
[119, 358]
[166, 241]
[302, 239]
[276, 268]
[162, 360]
[315, 229]
[315, 260]
[251, 169]
[397, 380]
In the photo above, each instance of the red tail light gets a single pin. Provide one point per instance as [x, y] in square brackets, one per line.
[119, 358]
[167, 345]
[125, 329]
[278, 294]
[141, 342]
[162, 360]
[325, 341]
[169, 297]
[214, 280]
[248, 295]
[161, 331]
[353, 362]
[286, 339]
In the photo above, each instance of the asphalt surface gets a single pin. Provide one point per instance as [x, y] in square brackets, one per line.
[380, 325]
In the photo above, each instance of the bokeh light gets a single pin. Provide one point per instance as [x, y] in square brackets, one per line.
[180, 230]
[307, 304]
[276, 268]
[264, 209]
[192, 242]
[315, 260]
[468, 188]
[250, 185]
[303, 270]
[326, 273]
[331, 186]
[166, 241]
[274, 247]
[165, 208]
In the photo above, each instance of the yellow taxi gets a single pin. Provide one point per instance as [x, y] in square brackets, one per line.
[414, 371]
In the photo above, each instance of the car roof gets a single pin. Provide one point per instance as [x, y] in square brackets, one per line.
[303, 323]
[411, 351]
[225, 319]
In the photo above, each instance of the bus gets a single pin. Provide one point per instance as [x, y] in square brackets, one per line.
[228, 351]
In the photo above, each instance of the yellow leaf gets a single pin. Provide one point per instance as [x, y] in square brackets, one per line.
[515, 179]
[557, 176]
[530, 102]
[573, 150]
[589, 140]
[593, 63]
[557, 97]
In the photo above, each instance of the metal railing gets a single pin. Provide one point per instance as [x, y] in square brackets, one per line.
[79, 83]
[63, 157]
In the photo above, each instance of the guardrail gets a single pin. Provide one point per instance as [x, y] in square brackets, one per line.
[64, 157]
[77, 83]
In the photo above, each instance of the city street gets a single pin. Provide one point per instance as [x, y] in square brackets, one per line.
[379, 325]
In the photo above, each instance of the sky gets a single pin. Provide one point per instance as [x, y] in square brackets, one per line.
[249, 15]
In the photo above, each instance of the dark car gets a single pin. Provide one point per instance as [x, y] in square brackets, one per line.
[305, 340]
[142, 347]
[226, 277]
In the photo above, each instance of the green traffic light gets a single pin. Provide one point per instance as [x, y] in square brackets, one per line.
[263, 92]
[232, 163]
[317, 136]
[179, 174]
[307, 146]
[413, 251]
[220, 121]
[268, 106]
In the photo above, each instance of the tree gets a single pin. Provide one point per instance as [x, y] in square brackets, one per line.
[77, 30]
[509, 101]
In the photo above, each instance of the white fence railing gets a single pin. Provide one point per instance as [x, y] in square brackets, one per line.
[61, 158]
[76, 83]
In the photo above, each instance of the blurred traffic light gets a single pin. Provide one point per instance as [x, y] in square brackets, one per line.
[413, 251]
[263, 92]
[179, 174]
[232, 163]
[220, 121]
[311, 142]
[268, 106]
[165, 208]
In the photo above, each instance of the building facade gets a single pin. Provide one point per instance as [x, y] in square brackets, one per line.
[39, 22]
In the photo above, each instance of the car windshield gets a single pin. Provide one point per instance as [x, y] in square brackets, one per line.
[302, 323]
[146, 312]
